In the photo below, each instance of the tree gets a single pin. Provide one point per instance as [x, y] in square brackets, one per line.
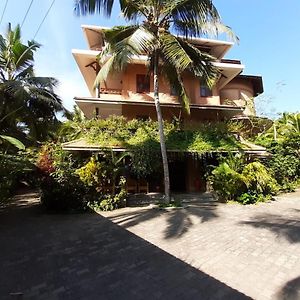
[152, 34]
[287, 125]
[28, 103]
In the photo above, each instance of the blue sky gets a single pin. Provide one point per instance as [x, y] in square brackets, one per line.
[268, 31]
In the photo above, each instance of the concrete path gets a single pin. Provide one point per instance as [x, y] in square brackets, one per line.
[254, 249]
[206, 251]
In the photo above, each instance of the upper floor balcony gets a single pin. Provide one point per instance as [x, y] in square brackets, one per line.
[136, 86]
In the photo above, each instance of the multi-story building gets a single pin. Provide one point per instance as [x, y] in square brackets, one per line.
[130, 94]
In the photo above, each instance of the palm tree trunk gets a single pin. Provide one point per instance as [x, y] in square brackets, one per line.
[161, 132]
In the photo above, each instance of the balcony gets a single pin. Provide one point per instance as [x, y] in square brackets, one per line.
[108, 91]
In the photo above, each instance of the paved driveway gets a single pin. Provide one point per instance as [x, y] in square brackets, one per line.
[86, 256]
[254, 249]
[206, 251]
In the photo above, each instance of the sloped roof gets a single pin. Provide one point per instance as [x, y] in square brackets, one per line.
[83, 145]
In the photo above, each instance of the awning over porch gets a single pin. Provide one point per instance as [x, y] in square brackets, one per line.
[83, 145]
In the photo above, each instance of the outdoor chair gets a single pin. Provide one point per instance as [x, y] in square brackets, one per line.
[131, 186]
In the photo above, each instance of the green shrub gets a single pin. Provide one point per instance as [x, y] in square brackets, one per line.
[285, 161]
[259, 179]
[61, 188]
[112, 202]
[6, 188]
[93, 174]
[283, 142]
[70, 183]
[64, 195]
[247, 183]
[14, 169]
[227, 183]
[107, 202]
[252, 198]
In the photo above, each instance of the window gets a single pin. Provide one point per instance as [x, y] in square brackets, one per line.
[205, 91]
[142, 83]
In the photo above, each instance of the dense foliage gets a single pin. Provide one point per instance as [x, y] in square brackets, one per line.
[61, 189]
[257, 181]
[69, 182]
[286, 127]
[246, 182]
[14, 169]
[141, 138]
[103, 173]
[28, 107]
[283, 142]
[121, 133]
[28, 103]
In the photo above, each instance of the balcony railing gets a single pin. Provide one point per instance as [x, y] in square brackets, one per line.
[110, 91]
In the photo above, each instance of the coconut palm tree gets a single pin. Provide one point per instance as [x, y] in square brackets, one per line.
[289, 123]
[27, 103]
[152, 34]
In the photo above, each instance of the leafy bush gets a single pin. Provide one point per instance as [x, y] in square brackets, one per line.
[14, 168]
[61, 188]
[283, 142]
[252, 198]
[227, 183]
[70, 183]
[285, 161]
[259, 179]
[244, 182]
[93, 174]
[101, 174]
[64, 195]
[107, 202]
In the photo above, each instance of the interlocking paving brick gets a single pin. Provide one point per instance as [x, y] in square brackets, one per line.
[86, 256]
[205, 251]
[254, 249]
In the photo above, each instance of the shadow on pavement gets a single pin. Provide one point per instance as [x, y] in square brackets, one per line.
[178, 220]
[289, 228]
[290, 291]
[86, 256]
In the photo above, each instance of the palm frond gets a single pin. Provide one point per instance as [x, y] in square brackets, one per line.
[2, 44]
[211, 29]
[214, 29]
[133, 9]
[118, 33]
[173, 51]
[85, 7]
[106, 68]
[124, 43]
[43, 82]
[25, 73]
[202, 64]
[25, 55]
[174, 77]
[193, 12]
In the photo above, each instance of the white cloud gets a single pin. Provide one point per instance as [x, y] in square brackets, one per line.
[71, 85]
